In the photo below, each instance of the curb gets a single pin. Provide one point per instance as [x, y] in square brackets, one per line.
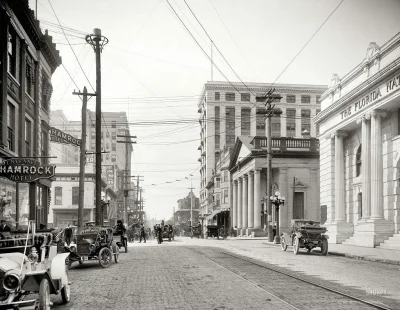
[351, 256]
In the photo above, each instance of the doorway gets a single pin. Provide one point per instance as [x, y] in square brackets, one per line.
[298, 205]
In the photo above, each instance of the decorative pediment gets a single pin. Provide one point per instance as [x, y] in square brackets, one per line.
[299, 184]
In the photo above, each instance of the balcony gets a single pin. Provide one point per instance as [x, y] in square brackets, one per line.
[284, 144]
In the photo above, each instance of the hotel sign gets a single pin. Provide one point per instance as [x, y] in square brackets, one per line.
[25, 170]
[379, 92]
[58, 136]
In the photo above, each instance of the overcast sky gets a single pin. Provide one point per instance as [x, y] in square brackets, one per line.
[153, 70]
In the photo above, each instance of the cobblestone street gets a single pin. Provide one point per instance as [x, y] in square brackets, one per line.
[183, 274]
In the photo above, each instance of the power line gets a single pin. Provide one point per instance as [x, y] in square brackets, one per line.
[71, 46]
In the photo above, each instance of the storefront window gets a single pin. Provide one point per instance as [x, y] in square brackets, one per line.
[8, 201]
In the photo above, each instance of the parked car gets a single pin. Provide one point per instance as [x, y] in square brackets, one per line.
[305, 234]
[95, 243]
[26, 268]
[213, 231]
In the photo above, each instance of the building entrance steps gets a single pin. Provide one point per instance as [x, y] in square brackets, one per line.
[393, 243]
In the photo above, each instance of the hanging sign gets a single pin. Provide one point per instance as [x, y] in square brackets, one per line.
[58, 136]
[25, 170]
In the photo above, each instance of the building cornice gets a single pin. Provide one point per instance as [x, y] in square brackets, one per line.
[357, 92]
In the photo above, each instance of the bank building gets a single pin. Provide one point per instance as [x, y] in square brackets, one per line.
[359, 133]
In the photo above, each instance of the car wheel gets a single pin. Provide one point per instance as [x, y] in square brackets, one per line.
[105, 257]
[115, 249]
[44, 295]
[66, 291]
[324, 247]
[296, 245]
[283, 244]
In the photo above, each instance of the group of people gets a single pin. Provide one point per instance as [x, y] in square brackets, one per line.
[120, 228]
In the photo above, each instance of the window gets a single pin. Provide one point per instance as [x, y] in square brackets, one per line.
[291, 113]
[245, 121]
[245, 97]
[305, 113]
[113, 158]
[107, 146]
[290, 128]
[318, 99]
[28, 137]
[11, 127]
[75, 195]
[230, 139]
[113, 124]
[217, 126]
[12, 53]
[305, 99]
[226, 176]
[230, 96]
[306, 127]
[217, 96]
[93, 146]
[230, 125]
[113, 146]
[30, 75]
[260, 125]
[290, 99]
[358, 161]
[107, 134]
[47, 90]
[107, 157]
[114, 135]
[93, 135]
[276, 127]
[58, 195]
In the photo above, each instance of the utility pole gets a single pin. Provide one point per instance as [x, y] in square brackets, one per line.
[137, 191]
[191, 201]
[82, 161]
[269, 111]
[97, 41]
[127, 173]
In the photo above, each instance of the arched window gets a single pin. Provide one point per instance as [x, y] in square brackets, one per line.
[358, 161]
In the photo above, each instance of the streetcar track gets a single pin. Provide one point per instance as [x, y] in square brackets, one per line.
[354, 298]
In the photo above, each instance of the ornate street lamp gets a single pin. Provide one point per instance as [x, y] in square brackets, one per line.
[225, 212]
[277, 200]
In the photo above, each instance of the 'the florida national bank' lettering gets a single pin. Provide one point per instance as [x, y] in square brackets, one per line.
[19, 170]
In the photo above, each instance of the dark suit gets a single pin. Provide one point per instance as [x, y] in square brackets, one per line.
[68, 235]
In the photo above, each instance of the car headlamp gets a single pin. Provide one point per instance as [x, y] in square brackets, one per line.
[11, 282]
[92, 247]
[72, 248]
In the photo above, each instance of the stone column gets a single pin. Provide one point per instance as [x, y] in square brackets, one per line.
[340, 206]
[250, 212]
[239, 203]
[257, 199]
[365, 165]
[235, 204]
[245, 201]
[376, 164]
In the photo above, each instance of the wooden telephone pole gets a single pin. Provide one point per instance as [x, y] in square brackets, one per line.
[82, 161]
[269, 111]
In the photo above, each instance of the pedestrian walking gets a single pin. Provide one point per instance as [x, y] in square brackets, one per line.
[68, 234]
[142, 233]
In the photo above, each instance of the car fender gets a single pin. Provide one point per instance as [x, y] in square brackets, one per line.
[58, 270]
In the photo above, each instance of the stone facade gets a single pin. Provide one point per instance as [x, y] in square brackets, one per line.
[359, 138]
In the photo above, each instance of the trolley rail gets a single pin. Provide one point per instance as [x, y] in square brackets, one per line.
[288, 275]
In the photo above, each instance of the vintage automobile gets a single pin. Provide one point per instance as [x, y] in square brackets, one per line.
[213, 231]
[196, 232]
[305, 234]
[26, 268]
[95, 243]
[168, 232]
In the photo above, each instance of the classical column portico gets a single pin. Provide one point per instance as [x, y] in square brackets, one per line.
[245, 202]
[239, 202]
[340, 206]
[235, 204]
[376, 164]
[257, 199]
[365, 165]
[250, 213]
[339, 230]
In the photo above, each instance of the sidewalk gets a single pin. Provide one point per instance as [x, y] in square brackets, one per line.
[355, 252]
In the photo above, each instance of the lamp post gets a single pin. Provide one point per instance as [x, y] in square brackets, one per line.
[225, 213]
[277, 200]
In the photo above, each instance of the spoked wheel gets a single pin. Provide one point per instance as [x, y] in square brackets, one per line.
[105, 257]
[44, 295]
[115, 249]
[324, 247]
[126, 245]
[296, 245]
[283, 244]
[66, 291]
